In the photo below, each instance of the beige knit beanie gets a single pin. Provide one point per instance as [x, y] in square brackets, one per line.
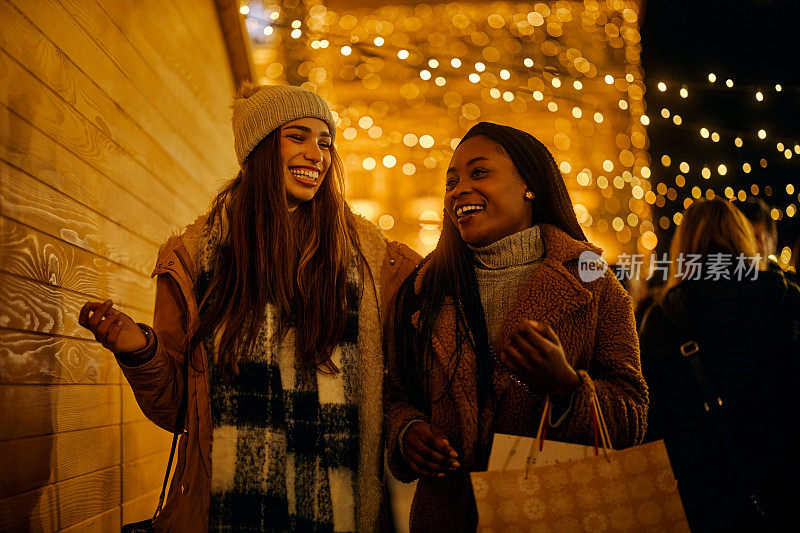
[269, 107]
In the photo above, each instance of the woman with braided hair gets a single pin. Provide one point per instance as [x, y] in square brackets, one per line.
[495, 319]
[266, 344]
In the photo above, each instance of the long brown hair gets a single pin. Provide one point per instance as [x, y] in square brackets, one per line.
[708, 227]
[450, 273]
[295, 261]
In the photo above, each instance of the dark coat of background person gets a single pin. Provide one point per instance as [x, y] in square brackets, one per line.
[748, 337]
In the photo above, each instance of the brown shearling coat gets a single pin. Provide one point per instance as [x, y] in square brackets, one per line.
[595, 324]
[158, 383]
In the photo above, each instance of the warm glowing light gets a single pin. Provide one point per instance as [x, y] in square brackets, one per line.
[729, 82]
[715, 137]
[565, 167]
[389, 161]
[577, 85]
[480, 67]
[556, 82]
[538, 96]
[762, 134]
[409, 169]
[778, 87]
[598, 117]
[508, 96]
[268, 30]
[433, 63]
[623, 104]
[425, 74]
[576, 112]
[759, 96]
[684, 166]
[346, 50]
[402, 54]
[775, 214]
[495, 93]
[644, 119]
[369, 163]
[296, 24]
[552, 106]
[350, 133]
[455, 62]
[684, 92]
[712, 77]
[426, 141]
[706, 172]
[609, 79]
[789, 188]
[528, 62]
[746, 168]
[474, 78]
[608, 165]
[296, 33]
[662, 86]
[649, 240]
[504, 74]
[677, 120]
[666, 160]
[386, 222]
[378, 41]
[704, 133]
[365, 122]
[665, 112]
[244, 10]
[440, 81]
[722, 170]
[738, 142]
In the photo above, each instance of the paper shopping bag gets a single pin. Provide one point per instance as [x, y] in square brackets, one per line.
[627, 490]
[536, 486]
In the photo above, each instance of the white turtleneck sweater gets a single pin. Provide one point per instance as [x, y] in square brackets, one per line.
[502, 269]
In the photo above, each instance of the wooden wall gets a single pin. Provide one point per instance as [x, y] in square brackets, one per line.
[114, 131]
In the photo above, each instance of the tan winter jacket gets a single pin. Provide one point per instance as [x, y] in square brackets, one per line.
[158, 383]
[595, 324]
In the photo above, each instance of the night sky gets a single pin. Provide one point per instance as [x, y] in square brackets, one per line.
[752, 42]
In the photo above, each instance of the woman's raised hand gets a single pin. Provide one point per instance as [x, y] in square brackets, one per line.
[534, 353]
[113, 329]
[427, 451]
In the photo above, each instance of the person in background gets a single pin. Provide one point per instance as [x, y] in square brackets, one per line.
[726, 456]
[497, 318]
[268, 320]
[765, 229]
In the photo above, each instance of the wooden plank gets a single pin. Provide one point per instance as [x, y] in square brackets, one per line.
[30, 410]
[141, 507]
[30, 358]
[143, 475]
[27, 200]
[27, 46]
[63, 504]
[140, 439]
[28, 149]
[88, 52]
[33, 462]
[131, 412]
[165, 44]
[38, 104]
[237, 41]
[26, 305]
[212, 32]
[110, 520]
[29, 253]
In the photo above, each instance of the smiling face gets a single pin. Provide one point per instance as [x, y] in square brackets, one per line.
[305, 146]
[485, 195]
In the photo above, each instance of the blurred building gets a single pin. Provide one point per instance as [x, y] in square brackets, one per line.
[407, 79]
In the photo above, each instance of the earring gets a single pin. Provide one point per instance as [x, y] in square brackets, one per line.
[529, 195]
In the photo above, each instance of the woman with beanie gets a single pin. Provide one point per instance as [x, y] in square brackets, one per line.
[268, 326]
[739, 327]
[495, 319]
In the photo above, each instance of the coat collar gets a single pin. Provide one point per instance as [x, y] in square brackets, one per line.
[552, 291]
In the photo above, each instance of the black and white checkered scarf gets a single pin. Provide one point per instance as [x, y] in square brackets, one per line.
[285, 441]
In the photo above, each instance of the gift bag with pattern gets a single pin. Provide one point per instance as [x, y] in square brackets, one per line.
[577, 488]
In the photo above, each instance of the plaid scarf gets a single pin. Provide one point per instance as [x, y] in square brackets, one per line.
[285, 440]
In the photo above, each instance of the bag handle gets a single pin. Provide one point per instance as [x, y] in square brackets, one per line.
[181, 421]
[602, 436]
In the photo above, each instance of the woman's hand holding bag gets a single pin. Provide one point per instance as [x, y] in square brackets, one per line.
[534, 353]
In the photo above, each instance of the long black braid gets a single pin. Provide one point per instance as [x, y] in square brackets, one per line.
[450, 274]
